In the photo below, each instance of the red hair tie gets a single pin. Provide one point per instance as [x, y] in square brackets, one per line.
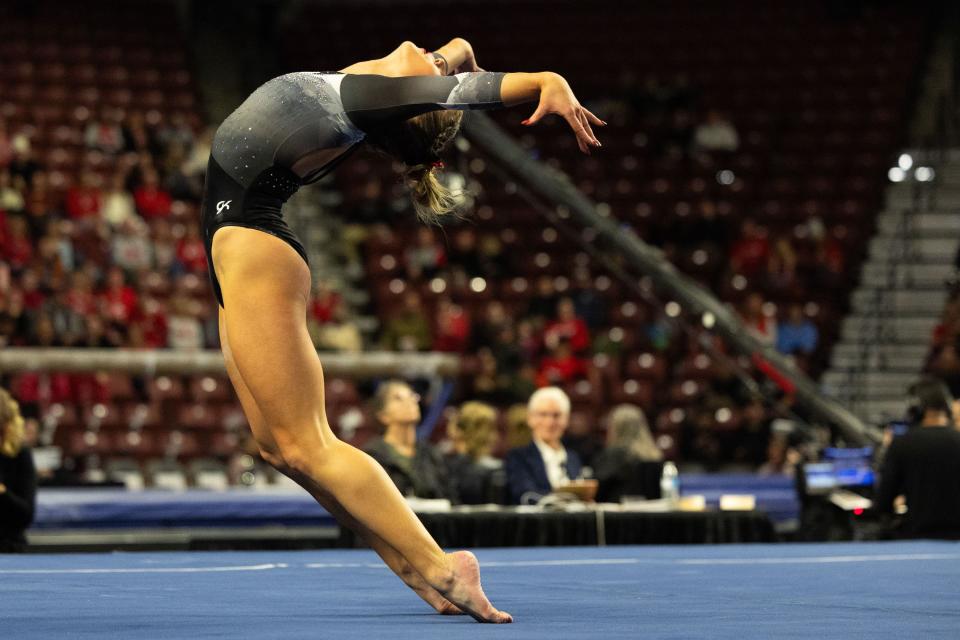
[438, 164]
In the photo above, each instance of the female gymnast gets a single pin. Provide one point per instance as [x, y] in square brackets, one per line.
[291, 131]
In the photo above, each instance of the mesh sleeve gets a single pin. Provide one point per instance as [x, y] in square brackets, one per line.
[372, 99]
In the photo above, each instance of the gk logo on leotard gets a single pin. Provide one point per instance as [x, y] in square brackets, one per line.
[223, 204]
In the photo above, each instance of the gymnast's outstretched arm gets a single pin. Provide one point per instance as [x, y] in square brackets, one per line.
[373, 100]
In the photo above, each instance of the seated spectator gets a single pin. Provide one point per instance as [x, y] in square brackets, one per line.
[797, 334]
[415, 467]
[757, 322]
[22, 163]
[151, 199]
[176, 131]
[339, 333]
[81, 296]
[751, 252]
[781, 458]
[426, 257]
[782, 265]
[84, 201]
[60, 234]
[184, 329]
[105, 133]
[543, 302]
[164, 246]
[490, 325]
[478, 476]
[98, 334]
[631, 463]
[561, 366]
[528, 341]
[545, 464]
[137, 137]
[11, 198]
[716, 133]
[829, 259]
[505, 350]
[14, 319]
[118, 300]
[67, 323]
[589, 304]
[407, 329]
[17, 250]
[18, 478]
[118, 207]
[152, 323]
[453, 328]
[325, 302]
[6, 145]
[567, 326]
[130, 246]
[190, 250]
[32, 289]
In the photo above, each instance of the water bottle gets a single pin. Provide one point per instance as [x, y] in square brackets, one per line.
[670, 483]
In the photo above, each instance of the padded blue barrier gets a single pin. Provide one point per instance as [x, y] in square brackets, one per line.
[118, 508]
[776, 495]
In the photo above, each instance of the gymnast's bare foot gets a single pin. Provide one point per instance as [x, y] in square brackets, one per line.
[432, 597]
[465, 591]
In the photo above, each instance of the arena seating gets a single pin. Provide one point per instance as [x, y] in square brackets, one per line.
[816, 130]
[818, 94]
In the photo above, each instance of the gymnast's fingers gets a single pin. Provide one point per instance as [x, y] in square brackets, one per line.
[583, 138]
[594, 119]
[586, 126]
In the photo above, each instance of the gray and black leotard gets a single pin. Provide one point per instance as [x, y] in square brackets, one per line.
[270, 145]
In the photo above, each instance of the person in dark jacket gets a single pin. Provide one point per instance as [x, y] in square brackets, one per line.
[416, 468]
[18, 478]
[537, 469]
[923, 466]
[631, 464]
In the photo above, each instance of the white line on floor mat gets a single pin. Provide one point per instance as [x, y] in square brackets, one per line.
[823, 559]
[678, 561]
[253, 567]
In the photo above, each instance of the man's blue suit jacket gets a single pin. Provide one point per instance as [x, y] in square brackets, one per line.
[527, 473]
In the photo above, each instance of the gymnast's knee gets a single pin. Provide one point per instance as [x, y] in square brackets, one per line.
[301, 456]
[273, 458]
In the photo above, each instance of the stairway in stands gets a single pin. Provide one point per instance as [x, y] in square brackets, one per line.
[887, 335]
[902, 291]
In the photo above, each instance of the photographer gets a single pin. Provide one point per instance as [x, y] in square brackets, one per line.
[924, 467]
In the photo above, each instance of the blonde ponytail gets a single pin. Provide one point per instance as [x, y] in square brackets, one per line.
[431, 198]
[418, 142]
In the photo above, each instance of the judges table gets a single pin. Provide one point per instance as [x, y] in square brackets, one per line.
[114, 518]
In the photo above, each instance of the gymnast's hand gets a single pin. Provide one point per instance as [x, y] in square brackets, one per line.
[557, 97]
[469, 59]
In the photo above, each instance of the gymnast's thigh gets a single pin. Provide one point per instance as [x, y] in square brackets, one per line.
[266, 286]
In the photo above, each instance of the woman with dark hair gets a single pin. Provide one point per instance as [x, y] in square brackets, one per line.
[416, 468]
[18, 477]
[291, 131]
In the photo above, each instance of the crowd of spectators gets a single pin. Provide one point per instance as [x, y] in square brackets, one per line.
[113, 258]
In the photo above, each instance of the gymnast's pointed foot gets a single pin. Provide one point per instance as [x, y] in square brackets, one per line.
[465, 592]
[432, 597]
